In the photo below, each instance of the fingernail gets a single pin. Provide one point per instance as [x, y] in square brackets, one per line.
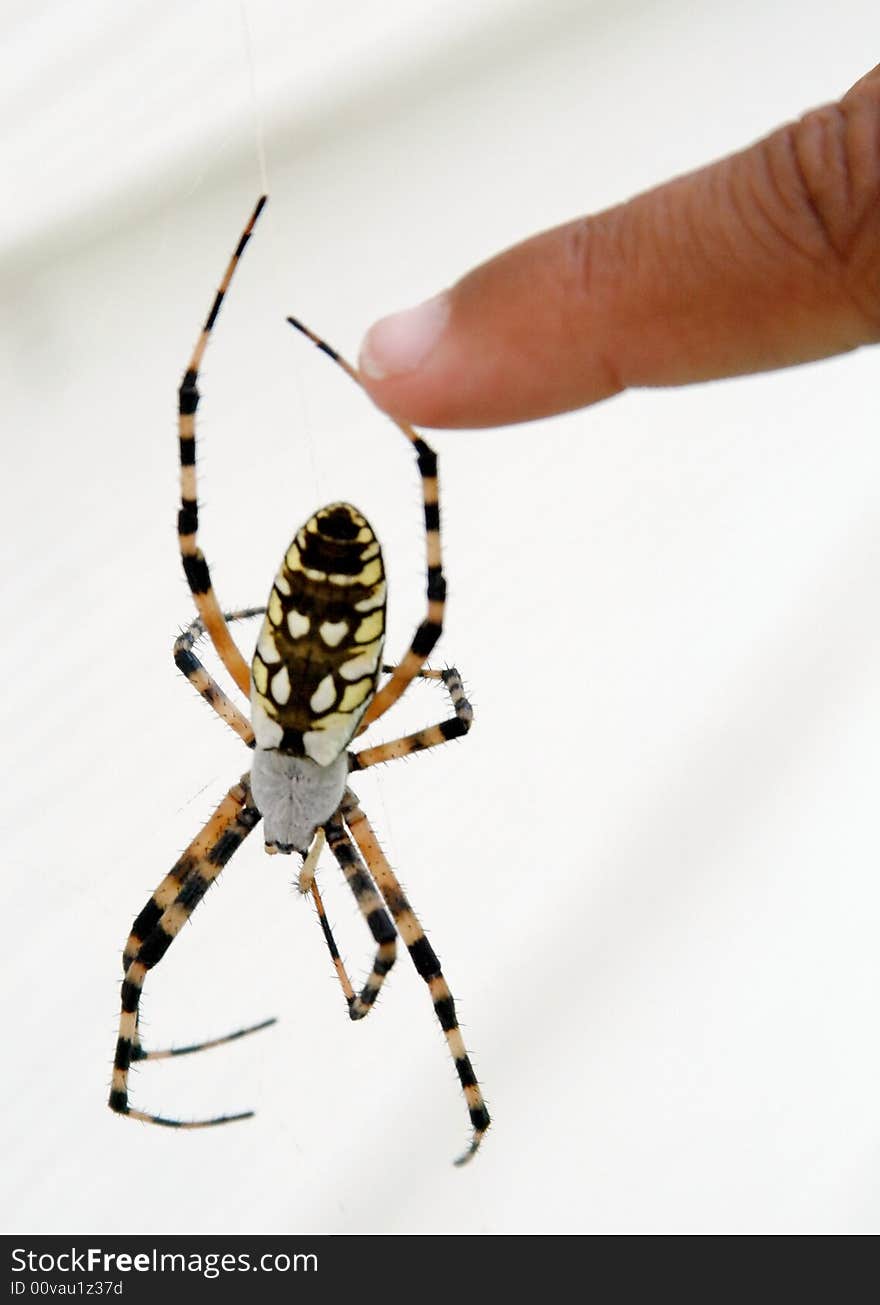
[401, 343]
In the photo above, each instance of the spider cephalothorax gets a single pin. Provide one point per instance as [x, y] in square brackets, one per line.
[313, 685]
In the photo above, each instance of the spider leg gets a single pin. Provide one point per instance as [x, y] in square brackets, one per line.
[371, 908]
[194, 565]
[338, 963]
[159, 924]
[425, 960]
[430, 629]
[307, 884]
[454, 728]
[188, 663]
[139, 1054]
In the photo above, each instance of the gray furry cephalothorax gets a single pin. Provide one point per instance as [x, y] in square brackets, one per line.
[295, 795]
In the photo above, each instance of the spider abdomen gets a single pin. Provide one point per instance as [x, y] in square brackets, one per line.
[318, 657]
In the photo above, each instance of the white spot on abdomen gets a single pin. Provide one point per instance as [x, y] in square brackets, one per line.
[333, 632]
[267, 650]
[374, 600]
[297, 624]
[267, 732]
[370, 628]
[280, 686]
[371, 573]
[364, 664]
[325, 744]
[260, 675]
[355, 694]
[324, 696]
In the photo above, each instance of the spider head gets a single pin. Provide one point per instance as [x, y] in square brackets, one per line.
[294, 796]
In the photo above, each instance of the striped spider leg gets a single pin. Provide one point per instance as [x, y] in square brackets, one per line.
[313, 685]
[189, 665]
[194, 565]
[371, 908]
[453, 728]
[424, 958]
[156, 928]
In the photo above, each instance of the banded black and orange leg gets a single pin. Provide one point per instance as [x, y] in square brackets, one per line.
[454, 728]
[189, 665]
[306, 885]
[371, 908]
[194, 565]
[425, 960]
[431, 627]
[338, 963]
[156, 928]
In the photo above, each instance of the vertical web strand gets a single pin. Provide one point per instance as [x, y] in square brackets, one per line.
[256, 111]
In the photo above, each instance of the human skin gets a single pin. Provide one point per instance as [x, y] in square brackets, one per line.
[764, 259]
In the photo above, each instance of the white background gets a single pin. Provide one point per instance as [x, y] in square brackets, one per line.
[651, 871]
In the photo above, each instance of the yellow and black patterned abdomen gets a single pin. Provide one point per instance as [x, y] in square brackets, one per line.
[319, 652]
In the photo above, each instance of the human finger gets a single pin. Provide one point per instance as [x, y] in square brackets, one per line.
[764, 259]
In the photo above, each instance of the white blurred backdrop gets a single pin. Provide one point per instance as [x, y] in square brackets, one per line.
[651, 870]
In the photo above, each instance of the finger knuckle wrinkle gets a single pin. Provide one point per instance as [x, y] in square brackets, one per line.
[836, 150]
[593, 268]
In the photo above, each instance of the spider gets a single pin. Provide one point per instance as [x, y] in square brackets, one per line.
[313, 685]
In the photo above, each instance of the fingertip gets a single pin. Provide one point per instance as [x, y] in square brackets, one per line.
[402, 343]
[409, 361]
